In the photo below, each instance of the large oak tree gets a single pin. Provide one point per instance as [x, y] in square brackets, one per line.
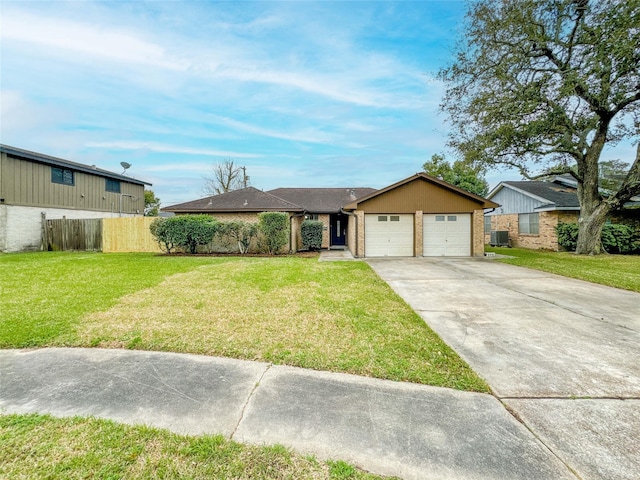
[544, 86]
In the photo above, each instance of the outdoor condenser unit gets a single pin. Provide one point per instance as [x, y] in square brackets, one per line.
[500, 238]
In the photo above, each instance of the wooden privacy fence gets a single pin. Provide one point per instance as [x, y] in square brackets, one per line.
[128, 234]
[125, 234]
[72, 234]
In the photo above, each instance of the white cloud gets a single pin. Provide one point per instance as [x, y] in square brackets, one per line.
[90, 39]
[285, 134]
[163, 148]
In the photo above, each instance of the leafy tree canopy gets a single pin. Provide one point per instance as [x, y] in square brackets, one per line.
[151, 204]
[537, 83]
[460, 174]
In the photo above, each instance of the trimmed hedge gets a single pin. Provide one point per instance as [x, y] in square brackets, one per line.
[186, 232]
[616, 237]
[311, 231]
[274, 227]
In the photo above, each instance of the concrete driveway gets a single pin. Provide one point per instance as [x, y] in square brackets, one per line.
[561, 354]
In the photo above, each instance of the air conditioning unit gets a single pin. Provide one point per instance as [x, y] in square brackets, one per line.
[500, 238]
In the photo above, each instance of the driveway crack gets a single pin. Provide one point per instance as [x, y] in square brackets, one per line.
[246, 403]
[514, 413]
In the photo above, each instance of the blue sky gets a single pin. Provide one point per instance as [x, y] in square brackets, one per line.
[304, 94]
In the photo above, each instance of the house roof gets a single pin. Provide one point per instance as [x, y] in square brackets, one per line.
[555, 195]
[248, 199]
[559, 194]
[59, 162]
[423, 176]
[321, 200]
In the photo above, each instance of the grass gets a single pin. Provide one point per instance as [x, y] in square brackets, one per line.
[336, 316]
[40, 446]
[619, 271]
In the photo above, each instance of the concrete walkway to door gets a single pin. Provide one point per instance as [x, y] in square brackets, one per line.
[562, 355]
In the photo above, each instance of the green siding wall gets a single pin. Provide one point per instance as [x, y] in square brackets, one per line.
[23, 182]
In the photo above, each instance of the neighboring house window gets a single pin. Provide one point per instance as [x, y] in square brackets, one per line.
[529, 223]
[112, 186]
[487, 224]
[62, 175]
[311, 216]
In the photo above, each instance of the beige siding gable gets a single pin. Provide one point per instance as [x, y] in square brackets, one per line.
[419, 194]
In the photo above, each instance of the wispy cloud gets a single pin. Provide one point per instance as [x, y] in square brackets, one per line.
[86, 38]
[300, 136]
[163, 148]
[302, 93]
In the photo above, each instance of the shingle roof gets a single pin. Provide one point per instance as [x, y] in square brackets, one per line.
[558, 195]
[248, 199]
[321, 200]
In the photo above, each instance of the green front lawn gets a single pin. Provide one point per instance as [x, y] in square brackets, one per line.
[620, 271]
[39, 446]
[336, 316]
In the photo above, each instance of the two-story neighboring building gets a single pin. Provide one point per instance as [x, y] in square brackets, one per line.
[34, 186]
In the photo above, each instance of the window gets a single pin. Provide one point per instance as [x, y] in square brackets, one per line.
[62, 176]
[439, 218]
[452, 218]
[529, 223]
[394, 218]
[382, 218]
[112, 185]
[487, 224]
[311, 216]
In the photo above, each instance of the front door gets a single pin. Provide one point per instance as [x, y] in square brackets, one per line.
[338, 229]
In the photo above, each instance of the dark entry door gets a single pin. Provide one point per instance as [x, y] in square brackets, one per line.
[338, 229]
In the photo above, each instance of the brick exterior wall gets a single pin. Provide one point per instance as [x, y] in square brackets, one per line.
[249, 217]
[326, 229]
[477, 233]
[546, 239]
[418, 229]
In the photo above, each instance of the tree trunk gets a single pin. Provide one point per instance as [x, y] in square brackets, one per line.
[590, 231]
[593, 211]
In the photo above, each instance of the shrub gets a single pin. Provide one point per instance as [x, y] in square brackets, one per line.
[616, 237]
[187, 232]
[160, 232]
[238, 233]
[311, 231]
[274, 227]
[567, 235]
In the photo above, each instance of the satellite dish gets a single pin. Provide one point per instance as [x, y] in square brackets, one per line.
[125, 165]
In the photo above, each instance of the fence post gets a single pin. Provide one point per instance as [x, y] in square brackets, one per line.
[64, 233]
[44, 244]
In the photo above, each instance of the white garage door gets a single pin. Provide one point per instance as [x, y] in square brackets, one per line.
[388, 235]
[446, 235]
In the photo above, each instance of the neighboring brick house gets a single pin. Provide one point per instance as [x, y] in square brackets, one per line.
[530, 211]
[418, 216]
[34, 186]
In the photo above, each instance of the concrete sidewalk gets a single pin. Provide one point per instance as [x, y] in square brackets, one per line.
[390, 428]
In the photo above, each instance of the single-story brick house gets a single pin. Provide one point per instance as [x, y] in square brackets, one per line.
[418, 216]
[530, 211]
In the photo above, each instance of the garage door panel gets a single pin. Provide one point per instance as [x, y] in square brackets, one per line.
[388, 235]
[447, 235]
